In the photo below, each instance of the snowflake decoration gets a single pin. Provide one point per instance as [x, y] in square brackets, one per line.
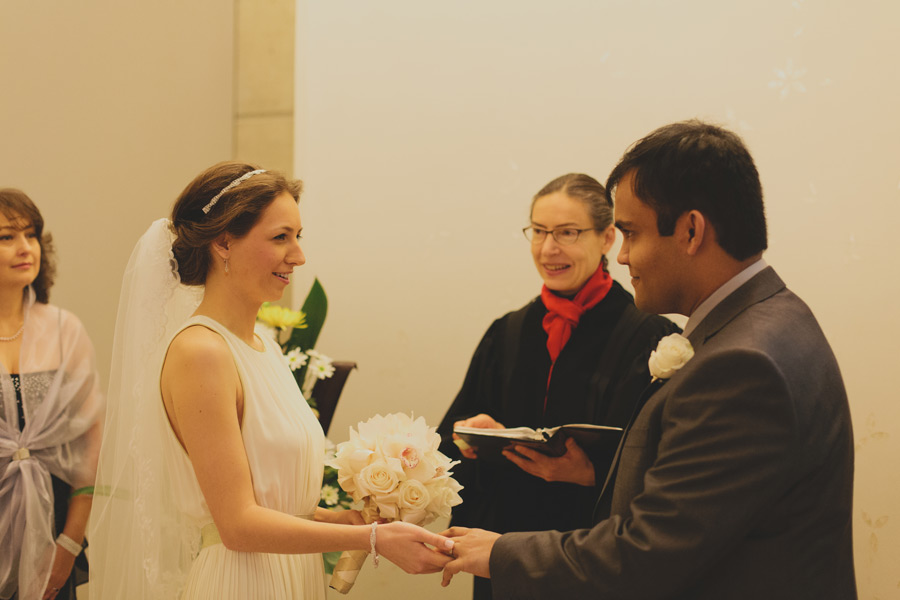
[788, 79]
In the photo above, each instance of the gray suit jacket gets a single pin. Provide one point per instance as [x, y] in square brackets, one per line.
[735, 480]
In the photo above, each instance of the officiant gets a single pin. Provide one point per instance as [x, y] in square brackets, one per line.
[575, 354]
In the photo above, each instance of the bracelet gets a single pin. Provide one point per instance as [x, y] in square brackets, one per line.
[373, 551]
[71, 546]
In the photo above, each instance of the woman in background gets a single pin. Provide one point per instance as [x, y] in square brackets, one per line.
[213, 460]
[575, 354]
[50, 412]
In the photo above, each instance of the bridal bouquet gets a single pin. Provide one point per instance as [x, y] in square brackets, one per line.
[392, 466]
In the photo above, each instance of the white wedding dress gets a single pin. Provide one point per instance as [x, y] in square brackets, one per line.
[285, 449]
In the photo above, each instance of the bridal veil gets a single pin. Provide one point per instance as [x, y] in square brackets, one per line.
[140, 549]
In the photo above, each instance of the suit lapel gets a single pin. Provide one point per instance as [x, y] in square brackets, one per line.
[604, 501]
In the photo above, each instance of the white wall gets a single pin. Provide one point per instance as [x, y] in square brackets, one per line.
[107, 110]
[424, 128]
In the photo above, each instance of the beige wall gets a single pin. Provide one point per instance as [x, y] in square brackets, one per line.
[423, 129]
[264, 83]
[107, 110]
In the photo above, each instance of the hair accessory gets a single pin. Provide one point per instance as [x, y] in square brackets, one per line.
[230, 186]
[373, 551]
[71, 546]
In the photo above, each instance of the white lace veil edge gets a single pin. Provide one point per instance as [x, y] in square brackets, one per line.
[140, 549]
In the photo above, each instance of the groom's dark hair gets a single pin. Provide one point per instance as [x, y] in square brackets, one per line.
[694, 165]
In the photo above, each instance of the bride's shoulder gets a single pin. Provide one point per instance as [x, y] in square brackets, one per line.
[199, 349]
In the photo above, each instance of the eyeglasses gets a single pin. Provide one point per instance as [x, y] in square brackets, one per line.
[564, 236]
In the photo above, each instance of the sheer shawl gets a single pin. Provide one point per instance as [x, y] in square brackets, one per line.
[139, 547]
[63, 406]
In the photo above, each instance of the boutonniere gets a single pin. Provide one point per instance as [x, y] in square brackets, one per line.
[672, 353]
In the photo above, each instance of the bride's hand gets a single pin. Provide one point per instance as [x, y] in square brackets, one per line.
[404, 545]
[343, 517]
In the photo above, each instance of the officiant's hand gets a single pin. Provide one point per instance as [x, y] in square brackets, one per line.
[482, 421]
[471, 552]
[572, 467]
[404, 545]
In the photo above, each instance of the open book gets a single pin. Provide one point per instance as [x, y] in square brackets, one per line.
[598, 441]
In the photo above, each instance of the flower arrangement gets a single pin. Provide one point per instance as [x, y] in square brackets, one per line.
[296, 331]
[671, 354]
[392, 466]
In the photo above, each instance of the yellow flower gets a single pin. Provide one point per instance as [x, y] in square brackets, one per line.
[281, 317]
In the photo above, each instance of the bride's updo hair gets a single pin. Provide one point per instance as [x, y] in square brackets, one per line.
[235, 212]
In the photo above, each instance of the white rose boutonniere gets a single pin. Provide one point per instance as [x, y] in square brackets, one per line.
[672, 353]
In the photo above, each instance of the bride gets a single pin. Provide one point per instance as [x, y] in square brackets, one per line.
[211, 464]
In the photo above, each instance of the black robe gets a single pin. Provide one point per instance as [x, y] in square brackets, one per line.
[591, 384]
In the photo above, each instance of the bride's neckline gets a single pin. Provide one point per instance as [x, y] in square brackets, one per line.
[256, 336]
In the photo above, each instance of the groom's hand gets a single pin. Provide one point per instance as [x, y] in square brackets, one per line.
[471, 552]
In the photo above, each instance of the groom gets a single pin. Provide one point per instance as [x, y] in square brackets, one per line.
[735, 479]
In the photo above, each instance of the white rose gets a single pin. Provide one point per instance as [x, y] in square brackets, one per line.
[413, 495]
[413, 502]
[671, 354]
[444, 495]
[378, 478]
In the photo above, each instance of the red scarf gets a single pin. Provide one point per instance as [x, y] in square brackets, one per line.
[564, 314]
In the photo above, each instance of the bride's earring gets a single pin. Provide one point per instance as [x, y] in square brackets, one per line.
[226, 266]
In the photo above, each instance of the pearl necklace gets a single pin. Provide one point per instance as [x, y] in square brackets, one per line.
[13, 336]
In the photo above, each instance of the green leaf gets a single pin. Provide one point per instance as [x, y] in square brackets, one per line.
[330, 559]
[315, 307]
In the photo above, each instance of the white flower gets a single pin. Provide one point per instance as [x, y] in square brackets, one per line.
[671, 354]
[444, 495]
[377, 478]
[413, 501]
[409, 457]
[393, 465]
[321, 370]
[320, 367]
[296, 358]
[330, 495]
[330, 453]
